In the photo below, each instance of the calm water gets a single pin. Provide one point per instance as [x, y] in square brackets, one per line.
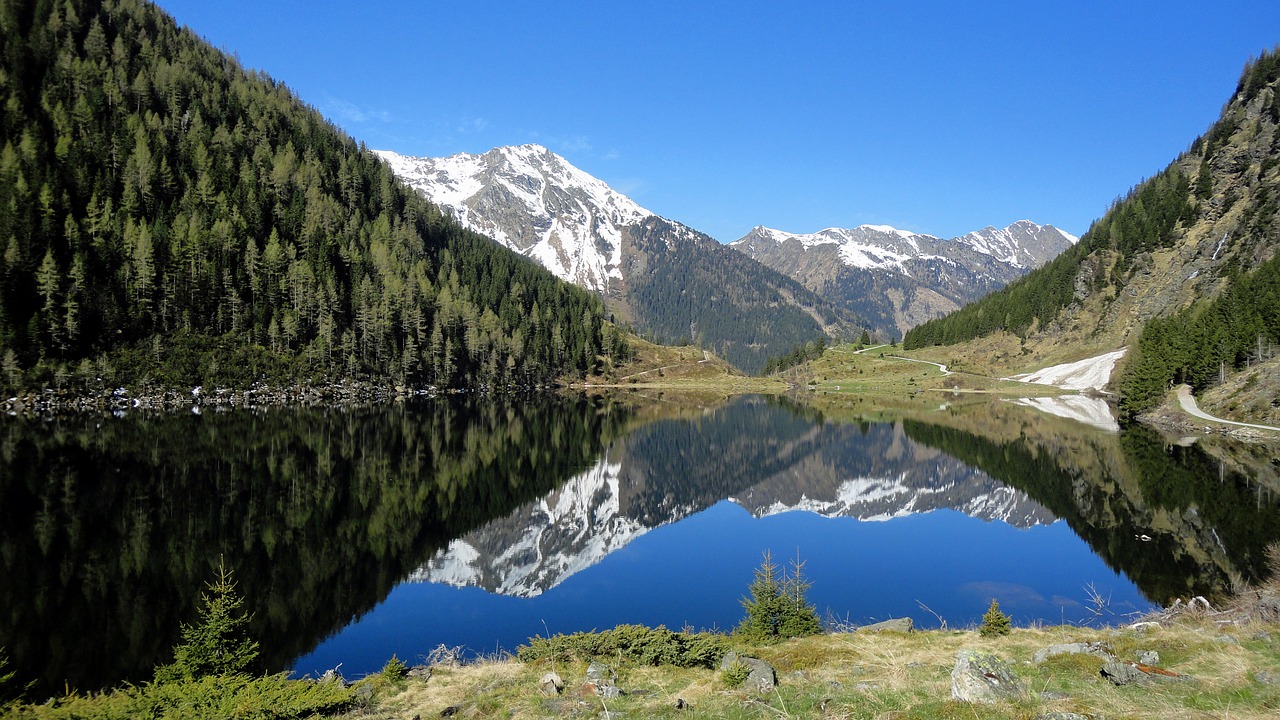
[358, 534]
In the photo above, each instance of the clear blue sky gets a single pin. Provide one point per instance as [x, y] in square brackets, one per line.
[937, 117]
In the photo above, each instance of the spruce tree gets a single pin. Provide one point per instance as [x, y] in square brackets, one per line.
[777, 608]
[218, 644]
[995, 622]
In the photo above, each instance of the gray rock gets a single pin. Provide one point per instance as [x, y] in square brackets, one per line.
[1062, 716]
[894, 625]
[1123, 673]
[1148, 657]
[1227, 639]
[598, 672]
[762, 678]
[1262, 635]
[610, 691]
[1266, 678]
[333, 676]
[551, 684]
[982, 677]
[1096, 649]
[421, 672]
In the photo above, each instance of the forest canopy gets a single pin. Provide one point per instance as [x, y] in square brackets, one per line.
[167, 215]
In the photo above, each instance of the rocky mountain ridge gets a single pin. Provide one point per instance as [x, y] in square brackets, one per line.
[670, 282]
[896, 279]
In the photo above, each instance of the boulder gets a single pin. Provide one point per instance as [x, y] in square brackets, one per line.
[894, 625]
[1148, 657]
[762, 677]
[1123, 673]
[598, 672]
[551, 684]
[982, 677]
[1096, 649]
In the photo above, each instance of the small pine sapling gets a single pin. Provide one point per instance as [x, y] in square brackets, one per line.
[995, 622]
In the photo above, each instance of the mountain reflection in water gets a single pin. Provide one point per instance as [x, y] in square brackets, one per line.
[535, 514]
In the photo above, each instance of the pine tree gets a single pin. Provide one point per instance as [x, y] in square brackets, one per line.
[995, 622]
[218, 644]
[777, 608]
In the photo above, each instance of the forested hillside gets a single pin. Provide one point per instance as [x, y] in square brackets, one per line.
[1183, 269]
[683, 287]
[168, 215]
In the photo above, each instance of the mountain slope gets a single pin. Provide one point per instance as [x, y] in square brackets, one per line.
[1204, 229]
[897, 279]
[673, 283]
[167, 215]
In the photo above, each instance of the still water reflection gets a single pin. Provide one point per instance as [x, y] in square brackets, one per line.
[478, 523]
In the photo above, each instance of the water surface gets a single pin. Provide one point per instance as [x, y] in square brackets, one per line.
[477, 523]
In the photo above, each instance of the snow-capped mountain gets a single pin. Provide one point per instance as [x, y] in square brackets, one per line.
[534, 202]
[671, 470]
[1023, 244]
[670, 281]
[896, 279]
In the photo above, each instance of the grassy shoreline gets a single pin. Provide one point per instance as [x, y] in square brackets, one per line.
[1230, 671]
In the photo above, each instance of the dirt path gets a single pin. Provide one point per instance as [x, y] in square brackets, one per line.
[940, 366]
[1189, 405]
[706, 358]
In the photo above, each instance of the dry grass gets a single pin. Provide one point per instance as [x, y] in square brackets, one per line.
[889, 675]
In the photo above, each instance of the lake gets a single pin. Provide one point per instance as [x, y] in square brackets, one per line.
[477, 522]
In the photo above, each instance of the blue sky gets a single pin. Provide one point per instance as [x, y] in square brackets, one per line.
[936, 117]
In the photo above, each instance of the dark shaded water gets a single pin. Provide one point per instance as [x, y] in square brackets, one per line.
[478, 523]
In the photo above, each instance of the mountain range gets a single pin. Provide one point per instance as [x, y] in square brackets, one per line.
[896, 279]
[675, 284]
[669, 282]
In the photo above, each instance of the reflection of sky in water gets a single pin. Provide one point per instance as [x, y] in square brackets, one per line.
[694, 573]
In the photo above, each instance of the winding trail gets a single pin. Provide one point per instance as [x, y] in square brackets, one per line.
[940, 366]
[1189, 405]
[706, 358]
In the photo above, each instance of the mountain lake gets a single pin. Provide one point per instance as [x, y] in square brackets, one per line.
[474, 523]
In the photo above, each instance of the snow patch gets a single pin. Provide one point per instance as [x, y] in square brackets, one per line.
[1088, 410]
[1089, 374]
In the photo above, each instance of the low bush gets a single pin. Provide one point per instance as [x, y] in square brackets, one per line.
[640, 644]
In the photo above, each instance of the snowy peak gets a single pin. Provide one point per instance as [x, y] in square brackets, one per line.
[896, 279]
[534, 202]
[1023, 244]
[866, 246]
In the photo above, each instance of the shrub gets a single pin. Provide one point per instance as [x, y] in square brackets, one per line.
[644, 645]
[395, 670]
[994, 622]
[777, 608]
[736, 674]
